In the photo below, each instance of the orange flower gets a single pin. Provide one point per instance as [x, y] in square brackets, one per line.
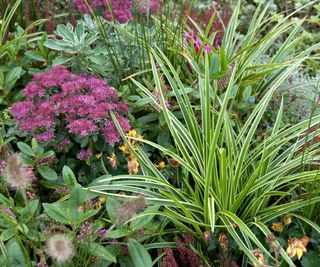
[259, 255]
[223, 240]
[113, 161]
[296, 247]
[161, 165]
[124, 149]
[305, 240]
[133, 133]
[277, 227]
[133, 165]
[99, 203]
[287, 219]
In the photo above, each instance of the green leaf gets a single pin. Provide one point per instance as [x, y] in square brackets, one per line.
[125, 261]
[1, 79]
[85, 216]
[29, 211]
[56, 45]
[223, 59]
[60, 60]
[118, 233]
[11, 78]
[77, 198]
[139, 254]
[112, 207]
[25, 148]
[15, 254]
[64, 32]
[142, 221]
[310, 259]
[47, 154]
[69, 177]
[56, 212]
[35, 55]
[34, 145]
[47, 173]
[101, 252]
[247, 93]
[7, 234]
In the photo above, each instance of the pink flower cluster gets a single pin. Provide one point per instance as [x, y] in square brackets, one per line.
[120, 10]
[192, 38]
[60, 101]
[84, 154]
[86, 232]
[7, 211]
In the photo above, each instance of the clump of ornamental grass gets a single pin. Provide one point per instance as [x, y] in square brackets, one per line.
[129, 209]
[60, 106]
[16, 174]
[60, 248]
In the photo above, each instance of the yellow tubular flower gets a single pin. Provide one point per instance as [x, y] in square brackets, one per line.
[133, 165]
[133, 133]
[287, 219]
[124, 149]
[295, 247]
[259, 255]
[161, 165]
[277, 227]
[113, 161]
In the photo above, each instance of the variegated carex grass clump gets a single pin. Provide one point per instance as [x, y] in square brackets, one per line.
[229, 179]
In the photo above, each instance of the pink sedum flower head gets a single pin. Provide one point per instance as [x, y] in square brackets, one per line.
[118, 10]
[77, 105]
[60, 248]
[84, 154]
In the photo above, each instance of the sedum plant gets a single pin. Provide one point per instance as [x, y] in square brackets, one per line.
[228, 178]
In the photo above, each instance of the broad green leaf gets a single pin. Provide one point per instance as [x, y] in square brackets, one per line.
[139, 254]
[118, 233]
[28, 211]
[34, 145]
[11, 78]
[25, 148]
[69, 177]
[76, 199]
[47, 154]
[7, 234]
[56, 45]
[55, 211]
[35, 55]
[15, 254]
[143, 220]
[47, 173]
[101, 252]
[85, 216]
[60, 60]
[112, 206]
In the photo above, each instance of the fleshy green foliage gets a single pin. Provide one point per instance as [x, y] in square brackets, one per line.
[227, 171]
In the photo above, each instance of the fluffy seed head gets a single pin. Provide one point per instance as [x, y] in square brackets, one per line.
[60, 247]
[17, 175]
[130, 208]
